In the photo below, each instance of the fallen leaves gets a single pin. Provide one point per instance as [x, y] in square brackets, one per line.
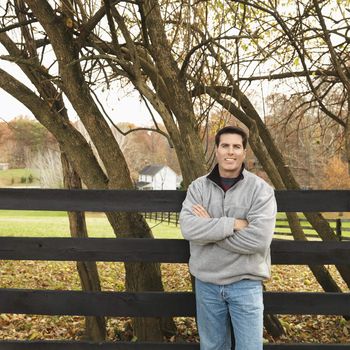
[63, 275]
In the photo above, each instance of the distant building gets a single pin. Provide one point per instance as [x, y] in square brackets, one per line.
[179, 180]
[4, 166]
[157, 177]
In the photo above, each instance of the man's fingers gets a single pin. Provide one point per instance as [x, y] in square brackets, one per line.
[200, 211]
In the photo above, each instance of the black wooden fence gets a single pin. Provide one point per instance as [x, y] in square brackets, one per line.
[154, 304]
[340, 226]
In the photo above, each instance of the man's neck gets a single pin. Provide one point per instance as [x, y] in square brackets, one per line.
[229, 174]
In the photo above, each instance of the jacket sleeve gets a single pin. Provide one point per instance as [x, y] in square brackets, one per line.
[257, 236]
[202, 230]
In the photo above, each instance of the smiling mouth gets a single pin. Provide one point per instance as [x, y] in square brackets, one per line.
[230, 159]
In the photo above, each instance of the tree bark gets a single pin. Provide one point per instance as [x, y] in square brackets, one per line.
[320, 272]
[173, 94]
[95, 327]
[72, 142]
[117, 174]
[250, 117]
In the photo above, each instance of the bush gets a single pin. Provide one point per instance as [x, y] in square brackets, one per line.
[30, 178]
[23, 179]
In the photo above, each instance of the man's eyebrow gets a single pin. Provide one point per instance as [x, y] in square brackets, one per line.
[227, 144]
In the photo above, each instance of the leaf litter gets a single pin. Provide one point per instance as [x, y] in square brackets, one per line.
[64, 276]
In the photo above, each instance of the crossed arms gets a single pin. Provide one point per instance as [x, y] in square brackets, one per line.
[249, 235]
[201, 212]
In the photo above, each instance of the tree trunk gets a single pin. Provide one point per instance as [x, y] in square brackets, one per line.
[117, 175]
[347, 135]
[174, 95]
[320, 272]
[250, 117]
[95, 327]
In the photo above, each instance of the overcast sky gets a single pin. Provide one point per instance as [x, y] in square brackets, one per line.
[122, 109]
[120, 105]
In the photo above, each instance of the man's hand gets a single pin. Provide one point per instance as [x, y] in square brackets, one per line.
[240, 224]
[200, 211]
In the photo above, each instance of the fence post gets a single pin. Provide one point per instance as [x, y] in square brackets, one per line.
[168, 217]
[176, 219]
[338, 229]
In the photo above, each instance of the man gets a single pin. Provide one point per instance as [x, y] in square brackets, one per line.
[229, 218]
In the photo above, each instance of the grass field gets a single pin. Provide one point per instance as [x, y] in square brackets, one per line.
[19, 177]
[55, 224]
[282, 220]
[63, 275]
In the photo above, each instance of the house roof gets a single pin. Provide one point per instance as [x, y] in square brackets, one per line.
[142, 184]
[151, 169]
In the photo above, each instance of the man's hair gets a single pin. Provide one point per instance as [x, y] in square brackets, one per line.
[231, 130]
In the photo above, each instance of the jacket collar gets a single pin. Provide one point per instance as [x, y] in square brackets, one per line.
[214, 175]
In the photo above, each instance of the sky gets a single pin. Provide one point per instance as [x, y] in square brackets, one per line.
[120, 109]
[121, 105]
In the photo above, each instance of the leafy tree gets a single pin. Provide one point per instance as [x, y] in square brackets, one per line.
[183, 60]
[49, 109]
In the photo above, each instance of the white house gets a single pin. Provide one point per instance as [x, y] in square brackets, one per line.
[157, 177]
[4, 166]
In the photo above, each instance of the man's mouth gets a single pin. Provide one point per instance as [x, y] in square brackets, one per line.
[230, 159]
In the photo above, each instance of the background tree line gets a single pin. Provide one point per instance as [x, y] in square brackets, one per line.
[25, 143]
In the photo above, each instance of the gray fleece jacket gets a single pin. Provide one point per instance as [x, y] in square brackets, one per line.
[218, 254]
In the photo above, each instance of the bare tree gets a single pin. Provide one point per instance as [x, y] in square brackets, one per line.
[48, 163]
[183, 58]
[55, 27]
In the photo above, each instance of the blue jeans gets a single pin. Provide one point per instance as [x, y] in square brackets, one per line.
[241, 301]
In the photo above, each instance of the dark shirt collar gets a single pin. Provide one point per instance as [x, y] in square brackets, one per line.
[214, 175]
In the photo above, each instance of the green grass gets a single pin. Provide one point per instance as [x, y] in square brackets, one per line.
[12, 177]
[282, 220]
[55, 224]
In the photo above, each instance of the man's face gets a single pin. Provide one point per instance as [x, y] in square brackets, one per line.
[230, 155]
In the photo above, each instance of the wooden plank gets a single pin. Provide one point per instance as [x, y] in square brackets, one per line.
[156, 304]
[300, 346]
[313, 201]
[153, 201]
[91, 200]
[94, 249]
[307, 303]
[75, 345]
[311, 252]
[158, 250]
[119, 304]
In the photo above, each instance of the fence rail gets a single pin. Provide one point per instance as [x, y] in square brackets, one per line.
[155, 201]
[157, 304]
[336, 224]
